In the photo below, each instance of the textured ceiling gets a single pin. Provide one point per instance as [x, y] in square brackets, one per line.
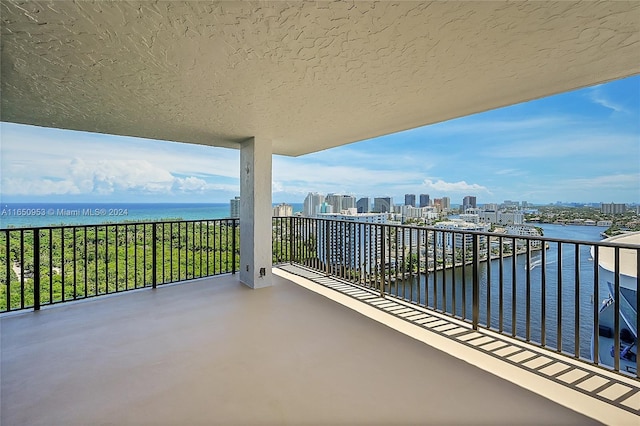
[306, 75]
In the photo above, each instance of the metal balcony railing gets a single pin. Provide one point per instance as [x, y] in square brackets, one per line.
[543, 291]
[48, 265]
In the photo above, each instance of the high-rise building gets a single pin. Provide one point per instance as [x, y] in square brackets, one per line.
[468, 202]
[446, 203]
[324, 208]
[234, 207]
[424, 200]
[410, 200]
[491, 207]
[613, 208]
[348, 202]
[382, 205]
[283, 210]
[350, 245]
[364, 205]
[312, 203]
[335, 201]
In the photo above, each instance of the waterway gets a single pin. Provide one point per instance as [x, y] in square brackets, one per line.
[576, 291]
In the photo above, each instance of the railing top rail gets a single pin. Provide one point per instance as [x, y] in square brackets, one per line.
[92, 225]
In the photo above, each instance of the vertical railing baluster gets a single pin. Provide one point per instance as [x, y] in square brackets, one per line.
[75, 266]
[179, 277]
[475, 315]
[95, 259]
[487, 239]
[135, 255]
[51, 265]
[62, 269]
[154, 256]
[419, 275]
[106, 257]
[117, 246]
[236, 226]
[164, 239]
[233, 246]
[171, 252]
[576, 302]
[596, 304]
[514, 289]
[501, 284]
[616, 320]
[86, 263]
[200, 232]
[559, 300]
[543, 296]
[637, 304]
[193, 248]
[8, 268]
[222, 247]
[528, 292]
[36, 269]
[144, 255]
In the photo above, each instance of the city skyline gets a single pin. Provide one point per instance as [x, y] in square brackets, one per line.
[580, 146]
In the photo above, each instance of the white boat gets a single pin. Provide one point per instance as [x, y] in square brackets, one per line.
[628, 311]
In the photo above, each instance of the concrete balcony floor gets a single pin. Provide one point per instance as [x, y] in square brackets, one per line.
[213, 351]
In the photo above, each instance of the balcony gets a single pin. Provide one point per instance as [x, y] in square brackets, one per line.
[349, 346]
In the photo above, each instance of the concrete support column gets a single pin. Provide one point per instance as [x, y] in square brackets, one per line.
[255, 213]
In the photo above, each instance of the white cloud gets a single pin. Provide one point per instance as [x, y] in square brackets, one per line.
[461, 186]
[190, 184]
[598, 97]
[79, 176]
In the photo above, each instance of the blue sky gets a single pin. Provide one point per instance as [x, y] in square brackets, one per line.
[581, 146]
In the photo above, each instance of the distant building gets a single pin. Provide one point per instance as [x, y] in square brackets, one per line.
[410, 200]
[283, 210]
[324, 208]
[491, 207]
[613, 208]
[424, 200]
[235, 207]
[350, 245]
[524, 230]
[312, 204]
[501, 217]
[470, 217]
[348, 202]
[382, 205]
[446, 203]
[448, 240]
[468, 202]
[364, 205]
[335, 201]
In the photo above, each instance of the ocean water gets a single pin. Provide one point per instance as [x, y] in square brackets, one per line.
[18, 215]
